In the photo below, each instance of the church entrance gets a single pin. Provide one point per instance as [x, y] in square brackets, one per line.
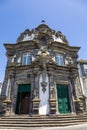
[63, 99]
[23, 99]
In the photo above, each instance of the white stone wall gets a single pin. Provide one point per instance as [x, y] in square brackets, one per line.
[44, 97]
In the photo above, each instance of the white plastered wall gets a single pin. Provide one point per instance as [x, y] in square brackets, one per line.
[44, 97]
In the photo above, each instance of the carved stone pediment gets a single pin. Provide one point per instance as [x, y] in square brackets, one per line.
[43, 57]
[44, 34]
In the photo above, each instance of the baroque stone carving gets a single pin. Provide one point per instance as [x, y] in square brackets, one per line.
[43, 84]
[43, 64]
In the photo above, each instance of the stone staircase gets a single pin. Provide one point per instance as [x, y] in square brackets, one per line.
[26, 121]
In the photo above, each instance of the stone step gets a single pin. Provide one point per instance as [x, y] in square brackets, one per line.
[50, 115]
[43, 118]
[38, 125]
[41, 121]
[55, 119]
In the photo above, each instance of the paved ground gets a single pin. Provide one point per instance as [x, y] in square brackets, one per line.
[74, 127]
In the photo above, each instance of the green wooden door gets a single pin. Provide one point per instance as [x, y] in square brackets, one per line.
[22, 90]
[63, 99]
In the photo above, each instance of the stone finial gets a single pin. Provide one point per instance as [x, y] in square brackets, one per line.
[43, 21]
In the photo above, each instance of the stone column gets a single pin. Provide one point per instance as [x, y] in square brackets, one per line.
[72, 103]
[79, 97]
[52, 97]
[77, 92]
[35, 98]
[13, 96]
[7, 101]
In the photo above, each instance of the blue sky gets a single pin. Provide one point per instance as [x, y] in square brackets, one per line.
[67, 16]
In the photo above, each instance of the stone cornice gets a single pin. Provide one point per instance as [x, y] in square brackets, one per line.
[20, 45]
[50, 67]
[33, 44]
[82, 61]
[63, 46]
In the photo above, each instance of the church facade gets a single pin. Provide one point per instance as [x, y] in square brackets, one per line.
[41, 75]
